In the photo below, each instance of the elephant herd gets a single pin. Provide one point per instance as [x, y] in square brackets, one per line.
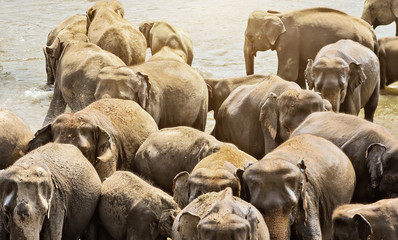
[288, 157]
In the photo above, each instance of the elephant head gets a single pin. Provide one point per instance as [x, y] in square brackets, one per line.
[145, 28]
[262, 32]
[279, 116]
[123, 83]
[101, 7]
[278, 189]
[81, 130]
[26, 195]
[333, 78]
[354, 227]
[380, 12]
[225, 220]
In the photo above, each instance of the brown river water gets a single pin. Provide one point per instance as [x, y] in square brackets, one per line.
[216, 27]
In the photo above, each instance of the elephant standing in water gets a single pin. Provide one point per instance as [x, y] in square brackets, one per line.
[299, 35]
[388, 56]
[381, 12]
[347, 74]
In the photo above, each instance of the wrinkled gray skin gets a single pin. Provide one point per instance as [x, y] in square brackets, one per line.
[50, 193]
[297, 186]
[108, 132]
[159, 34]
[178, 148]
[291, 35]
[219, 216]
[374, 221]
[14, 137]
[257, 118]
[381, 12]
[76, 75]
[130, 208]
[72, 28]
[388, 55]
[347, 74]
[107, 28]
[220, 88]
[173, 93]
[212, 174]
[372, 150]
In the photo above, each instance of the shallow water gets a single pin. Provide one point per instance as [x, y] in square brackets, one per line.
[217, 29]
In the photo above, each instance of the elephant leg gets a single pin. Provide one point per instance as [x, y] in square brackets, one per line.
[383, 71]
[200, 122]
[396, 27]
[57, 105]
[371, 105]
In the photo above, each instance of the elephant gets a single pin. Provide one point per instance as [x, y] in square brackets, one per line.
[370, 147]
[108, 132]
[15, 135]
[373, 221]
[179, 148]
[107, 28]
[219, 216]
[388, 55]
[291, 34]
[297, 186]
[381, 12]
[76, 75]
[160, 34]
[72, 28]
[347, 74]
[50, 193]
[220, 88]
[269, 112]
[131, 208]
[212, 174]
[173, 93]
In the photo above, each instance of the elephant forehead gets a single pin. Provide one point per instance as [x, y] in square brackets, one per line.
[330, 63]
[223, 222]
[116, 73]
[27, 173]
[267, 168]
[210, 174]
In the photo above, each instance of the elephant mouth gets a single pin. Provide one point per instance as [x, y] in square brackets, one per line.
[375, 23]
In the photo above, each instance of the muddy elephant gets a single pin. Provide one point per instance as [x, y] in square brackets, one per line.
[178, 148]
[388, 55]
[50, 193]
[107, 28]
[15, 135]
[131, 208]
[220, 88]
[297, 186]
[159, 34]
[173, 93]
[212, 174]
[72, 28]
[108, 132]
[374, 221]
[219, 216]
[291, 34]
[371, 148]
[269, 112]
[381, 12]
[347, 74]
[76, 75]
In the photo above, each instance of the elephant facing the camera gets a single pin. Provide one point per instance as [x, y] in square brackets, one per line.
[347, 74]
[381, 12]
[291, 34]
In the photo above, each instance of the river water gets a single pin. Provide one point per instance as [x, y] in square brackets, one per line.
[216, 27]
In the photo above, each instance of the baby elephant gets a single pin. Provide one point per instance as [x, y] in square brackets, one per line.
[374, 221]
[213, 173]
[219, 216]
[50, 193]
[130, 208]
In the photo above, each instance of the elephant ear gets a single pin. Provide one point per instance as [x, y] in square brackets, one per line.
[105, 146]
[42, 136]
[55, 49]
[143, 222]
[273, 28]
[166, 221]
[145, 29]
[188, 226]
[181, 189]
[363, 227]
[309, 77]
[244, 189]
[269, 115]
[357, 75]
[90, 14]
[145, 87]
[251, 217]
[374, 162]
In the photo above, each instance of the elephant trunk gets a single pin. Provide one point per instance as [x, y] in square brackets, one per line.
[334, 100]
[278, 225]
[249, 57]
[366, 16]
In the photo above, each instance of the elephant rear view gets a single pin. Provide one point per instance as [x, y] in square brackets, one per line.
[299, 35]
